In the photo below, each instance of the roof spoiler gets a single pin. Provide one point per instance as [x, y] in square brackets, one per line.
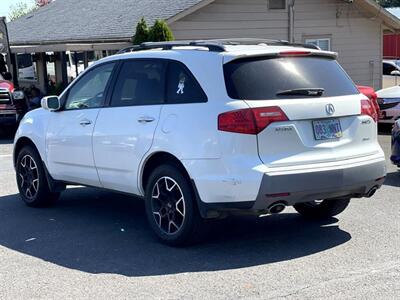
[286, 53]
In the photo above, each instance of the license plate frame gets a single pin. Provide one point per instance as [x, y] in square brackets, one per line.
[327, 129]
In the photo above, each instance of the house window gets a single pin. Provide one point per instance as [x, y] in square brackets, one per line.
[277, 4]
[322, 43]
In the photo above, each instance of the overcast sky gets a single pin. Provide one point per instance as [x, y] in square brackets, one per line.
[5, 5]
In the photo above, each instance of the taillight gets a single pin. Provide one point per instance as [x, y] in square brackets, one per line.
[250, 120]
[373, 96]
[368, 109]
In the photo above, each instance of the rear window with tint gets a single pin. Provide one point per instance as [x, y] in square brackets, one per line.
[262, 78]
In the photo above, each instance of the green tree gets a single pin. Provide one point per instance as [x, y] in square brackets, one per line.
[160, 32]
[389, 3]
[20, 9]
[142, 32]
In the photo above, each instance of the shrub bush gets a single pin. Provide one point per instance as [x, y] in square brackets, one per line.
[160, 32]
[142, 32]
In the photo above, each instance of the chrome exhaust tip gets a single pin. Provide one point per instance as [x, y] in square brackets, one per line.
[276, 208]
[371, 192]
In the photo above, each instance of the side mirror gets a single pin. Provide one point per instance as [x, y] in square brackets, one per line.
[51, 103]
[395, 73]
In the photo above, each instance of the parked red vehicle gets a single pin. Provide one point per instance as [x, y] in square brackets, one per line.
[12, 103]
[372, 96]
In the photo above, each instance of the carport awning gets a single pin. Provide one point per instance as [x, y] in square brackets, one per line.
[58, 47]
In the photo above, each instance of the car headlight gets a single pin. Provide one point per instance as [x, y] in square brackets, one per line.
[18, 95]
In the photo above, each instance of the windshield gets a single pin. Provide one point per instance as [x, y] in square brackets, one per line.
[266, 78]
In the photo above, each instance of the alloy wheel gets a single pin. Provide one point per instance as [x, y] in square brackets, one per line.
[168, 205]
[29, 177]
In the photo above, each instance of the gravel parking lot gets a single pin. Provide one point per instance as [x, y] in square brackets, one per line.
[96, 244]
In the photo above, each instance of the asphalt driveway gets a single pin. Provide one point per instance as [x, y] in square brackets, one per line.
[96, 244]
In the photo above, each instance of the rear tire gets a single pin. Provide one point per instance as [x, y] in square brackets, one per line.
[322, 210]
[31, 179]
[171, 207]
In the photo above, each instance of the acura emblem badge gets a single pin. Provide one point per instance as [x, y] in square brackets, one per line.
[330, 109]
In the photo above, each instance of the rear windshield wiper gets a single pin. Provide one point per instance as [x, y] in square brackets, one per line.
[308, 92]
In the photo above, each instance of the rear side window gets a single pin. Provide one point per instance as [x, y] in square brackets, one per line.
[140, 82]
[264, 78]
[182, 87]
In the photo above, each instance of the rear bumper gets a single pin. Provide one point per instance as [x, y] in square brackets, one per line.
[350, 182]
[347, 181]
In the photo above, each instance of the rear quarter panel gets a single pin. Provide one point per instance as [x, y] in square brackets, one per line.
[215, 160]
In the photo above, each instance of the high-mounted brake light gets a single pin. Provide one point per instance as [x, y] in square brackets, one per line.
[250, 120]
[368, 109]
[294, 53]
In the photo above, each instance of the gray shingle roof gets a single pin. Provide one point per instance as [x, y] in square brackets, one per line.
[75, 20]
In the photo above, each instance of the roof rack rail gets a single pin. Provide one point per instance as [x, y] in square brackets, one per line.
[212, 46]
[215, 45]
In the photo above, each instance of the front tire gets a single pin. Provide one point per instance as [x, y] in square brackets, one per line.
[31, 179]
[171, 207]
[317, 210]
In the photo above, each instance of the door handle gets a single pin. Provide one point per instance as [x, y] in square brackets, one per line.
[85, 122]
[146, 120]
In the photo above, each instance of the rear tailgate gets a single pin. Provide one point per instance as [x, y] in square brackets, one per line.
[294, 142]
[317, 128]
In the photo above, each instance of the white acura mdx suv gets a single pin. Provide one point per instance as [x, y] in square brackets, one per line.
[202, 129]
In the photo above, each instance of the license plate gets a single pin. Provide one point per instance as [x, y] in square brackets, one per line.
[327, 129]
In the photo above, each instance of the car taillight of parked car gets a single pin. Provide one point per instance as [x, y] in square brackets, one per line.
[371, 94]
[374, 99]
[368, 109]
[250, 120]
